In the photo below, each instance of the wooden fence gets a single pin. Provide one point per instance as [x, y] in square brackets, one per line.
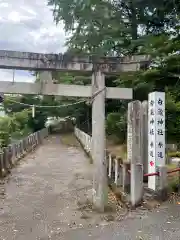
[117, 170]
[13, 152]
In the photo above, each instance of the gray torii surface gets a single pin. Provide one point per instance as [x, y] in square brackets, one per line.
[69, 62]
[65, 62]
[60, 90]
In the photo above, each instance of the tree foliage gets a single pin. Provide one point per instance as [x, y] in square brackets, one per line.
[10, 125]
[114, 27]
[125, 27]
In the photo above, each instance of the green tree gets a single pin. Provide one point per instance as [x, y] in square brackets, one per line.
[13, 125]
[114, 27]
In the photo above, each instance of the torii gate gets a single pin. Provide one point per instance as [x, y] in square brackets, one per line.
[97, 90]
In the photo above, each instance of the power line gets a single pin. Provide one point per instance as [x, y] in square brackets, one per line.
[47, 106]
[59, 106]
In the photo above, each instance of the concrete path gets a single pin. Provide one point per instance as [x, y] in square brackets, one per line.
[162, 224]
[41, 195]
[46, 195]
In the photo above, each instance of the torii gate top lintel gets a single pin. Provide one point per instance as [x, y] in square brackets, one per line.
[69, 62]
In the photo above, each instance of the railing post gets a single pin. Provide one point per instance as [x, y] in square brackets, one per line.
[10, 155]
[38, 137]
[1, 165]
[118, 172]
[5, 161]
[31, 137]
[27, 142]
[116, 169]
[13, 154]
[126, 177]
[113, 167]
[18, 151]
[24, 145]
[36, 134]
[163, 183]
[110, 165]
[21, 148]
[15, 151]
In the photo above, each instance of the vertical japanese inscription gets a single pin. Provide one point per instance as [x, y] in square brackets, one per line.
[129, 133]
[151, 132]
[160, 123]
[156, 134]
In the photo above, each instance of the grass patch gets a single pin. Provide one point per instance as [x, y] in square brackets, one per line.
[173, 179]
[119, 150]
[174, 154]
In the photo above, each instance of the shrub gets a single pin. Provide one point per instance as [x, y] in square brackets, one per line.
[116, 125]
[174, 154]
[17, 122]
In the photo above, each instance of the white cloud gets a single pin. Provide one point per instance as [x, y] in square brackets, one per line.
[17, 76]
[28, 26]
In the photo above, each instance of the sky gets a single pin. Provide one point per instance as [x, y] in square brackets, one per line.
[27, 25]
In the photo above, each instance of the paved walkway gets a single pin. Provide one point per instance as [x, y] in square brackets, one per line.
[161, 224]
[42, 194]
[46, 195]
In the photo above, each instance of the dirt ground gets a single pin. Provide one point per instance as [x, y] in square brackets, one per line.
[49, 193]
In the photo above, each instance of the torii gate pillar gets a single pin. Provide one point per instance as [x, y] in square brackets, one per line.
[45, 77]
[100, 186]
